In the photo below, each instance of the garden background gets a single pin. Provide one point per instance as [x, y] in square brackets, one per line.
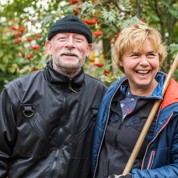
[24, 25]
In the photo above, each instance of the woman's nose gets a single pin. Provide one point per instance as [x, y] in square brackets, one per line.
[144, 60]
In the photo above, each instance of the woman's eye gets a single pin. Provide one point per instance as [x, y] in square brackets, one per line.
[151, 55]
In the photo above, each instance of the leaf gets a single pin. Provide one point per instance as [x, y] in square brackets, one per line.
[173, 48]
[174, 12]
[1, 53]
[24, 70]
[2, 67]
[5, 59]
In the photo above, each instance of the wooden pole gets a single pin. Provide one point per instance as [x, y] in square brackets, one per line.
[149, 120]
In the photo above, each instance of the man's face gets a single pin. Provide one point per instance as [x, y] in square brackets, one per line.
[68, 51]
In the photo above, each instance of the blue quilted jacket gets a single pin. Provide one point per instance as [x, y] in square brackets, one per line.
[161, 156]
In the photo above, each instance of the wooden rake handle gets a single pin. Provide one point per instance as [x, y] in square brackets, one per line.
[149, 120]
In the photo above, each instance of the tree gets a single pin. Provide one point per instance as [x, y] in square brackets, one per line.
[24, 25]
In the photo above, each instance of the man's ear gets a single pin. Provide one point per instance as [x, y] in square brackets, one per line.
[89, 49]
[48, 47]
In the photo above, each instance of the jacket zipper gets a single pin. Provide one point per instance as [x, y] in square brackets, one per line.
[151, 160]
[54, 165]
[70, 86]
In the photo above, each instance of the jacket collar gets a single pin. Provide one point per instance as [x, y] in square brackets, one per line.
[60, 80]
[157, 93]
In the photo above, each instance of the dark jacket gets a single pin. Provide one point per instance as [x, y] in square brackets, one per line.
[46, 125]
[161, 156]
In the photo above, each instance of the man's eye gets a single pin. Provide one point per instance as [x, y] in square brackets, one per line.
[78, 39]
[61, 38]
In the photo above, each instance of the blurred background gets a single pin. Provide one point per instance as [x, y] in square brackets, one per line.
[24, 25]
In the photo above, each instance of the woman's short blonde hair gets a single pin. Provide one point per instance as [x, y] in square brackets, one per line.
[135, 35]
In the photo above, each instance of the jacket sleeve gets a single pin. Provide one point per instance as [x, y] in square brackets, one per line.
[7, 132]
[171, 169]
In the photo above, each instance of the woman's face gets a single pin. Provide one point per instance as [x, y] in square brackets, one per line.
[141, 67]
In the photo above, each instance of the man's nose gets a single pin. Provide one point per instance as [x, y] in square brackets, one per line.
[70, 43]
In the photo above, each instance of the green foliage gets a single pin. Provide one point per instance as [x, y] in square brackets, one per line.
[109, 17]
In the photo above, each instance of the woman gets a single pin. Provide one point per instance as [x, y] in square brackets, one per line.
[126, 105]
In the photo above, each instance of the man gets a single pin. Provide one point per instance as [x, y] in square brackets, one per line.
[47, 117]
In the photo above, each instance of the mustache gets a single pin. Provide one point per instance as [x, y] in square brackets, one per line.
[70, 53]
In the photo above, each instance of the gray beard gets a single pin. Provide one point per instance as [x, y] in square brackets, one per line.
[69, 72]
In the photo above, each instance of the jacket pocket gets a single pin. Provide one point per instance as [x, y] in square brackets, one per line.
[32, 140]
